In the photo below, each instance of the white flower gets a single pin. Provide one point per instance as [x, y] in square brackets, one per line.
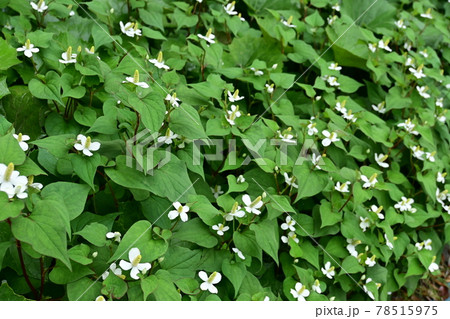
[28, 49]
[312, 130]
[134, 256]
[417, 73]
[179, 210]
[331, 19]
[240, 179]
[365, 223]
[217, 191]
[288, 22]
[369, 182]
[335, 67]
[377, 210]
[433, 266]
[290, 180]
[372, 47]
[135, 80]
[130, 29]
[405, 204]
[424, 53]
[427, 244]
[209, 282]
[235, 96]
[427, 14]
[68, 56]
[290, 223]
[292, 235]
[233, 114]
[400, 24]
[239, 253]
[300, 292]
[90, 51]
[116, 235]
[408, 126]
[220, 228]
[286, 136]
[316, 286]
[159, 62]
[407, 46]
[71, 13]
[100, 298]
[440, 102]
[441, 177]
[422, 91]
[351, 247]
[332, 81]
[209, 37]
[116, 271]
[349, 116]
[328, 270]
[380, 107]
[229, 8]
[329, 138]
[173, 100]
[442, 196]
[85, 145]
[336, 7]
[380, 159]
[367, 291]
[371, 261]
[40, 6]
[257, 72]
[384, 45]
[241, 18]
[21, 139]
[409, 62]
[340, 107]
[342, 188]
[388, 243]
[236, 212]
[430, 156]
[168, 137]
[252, 206]
[270, 88]
[12, 183]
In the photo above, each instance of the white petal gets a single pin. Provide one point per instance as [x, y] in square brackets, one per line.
[95, 146]
[134, 272]
[133, 253]
[203, 276]
[125, 265]
[246, 199]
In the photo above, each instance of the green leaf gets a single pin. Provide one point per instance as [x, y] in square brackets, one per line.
[7, 294]
[73, 195]
[10, 151]
[86, 167]
[185, 121]
[94, 233]
[149, 285]
[84, 289]
[8, 55]
[235, 272]
[9, 209]
[310, 182]
[207, 212]
[351, 265]
[114, 286]
[195, 231]
[3, 87]
[266, 234]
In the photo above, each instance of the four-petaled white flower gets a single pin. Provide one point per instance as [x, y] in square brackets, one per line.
[336, 7]
[372, 47]
[380, 159]
[400, 24]
[427, 14]
[130, 29]
[68, 56]
[409, 127]
[425, 245]
[349, 116]
[329, 138]
[332, 80]
[135, 80]
[85, 145]
[290, 180]
[405, 205]
[286, 136]
[209, 37]
[335, 67]
[220, 228]
[179, 210]
[351, 247]
[134, 255]
[28, 49]
[116, 235]
[440, 102]
[12, 183]
[115, 270]
[167, 138]
[388, 243]
[331, 19]
[316, 286]
[380, 107]
[235, 96]
[430, 156]
[418, 73]
[233, 114]
[377, 210]
[291, 235]
[371, 261]
[410, 62]
[173, 100]
[240, 179]
[340, 107]
[40, 6]
[312, 130]
[300, 292]
[289, 224]
[159, 62]
[257, 72]
[217, 191]
[423, 91]
[270, 88]
[239, 253]
[343, 188]
[236, 212]
[252, 206]
[229, 8]
[328, 270]
[442, 196]
[424, 53]
[100, 298]
[369, 182]
[441, 177]
[209, 282]
[21, 139]
[288, 22]
[433, 266]
[365, 223]
[384, 45]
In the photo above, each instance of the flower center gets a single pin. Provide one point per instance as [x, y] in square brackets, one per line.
[136, 261]
[129, 26]
[211, 278]
[301, 290]
[27, 46]
[88, 142]
[255, 202]
[69, 53]
[236, 94]
[160, 57]
[373, 179]
[40, 3]
[136, 76]
[383, 158]
[289, 21]
[209, 33]
[332, 136]
[8, 172]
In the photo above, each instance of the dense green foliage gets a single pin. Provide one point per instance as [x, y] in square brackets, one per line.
[178, 150]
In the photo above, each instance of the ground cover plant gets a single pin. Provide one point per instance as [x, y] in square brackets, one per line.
[212, 150]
